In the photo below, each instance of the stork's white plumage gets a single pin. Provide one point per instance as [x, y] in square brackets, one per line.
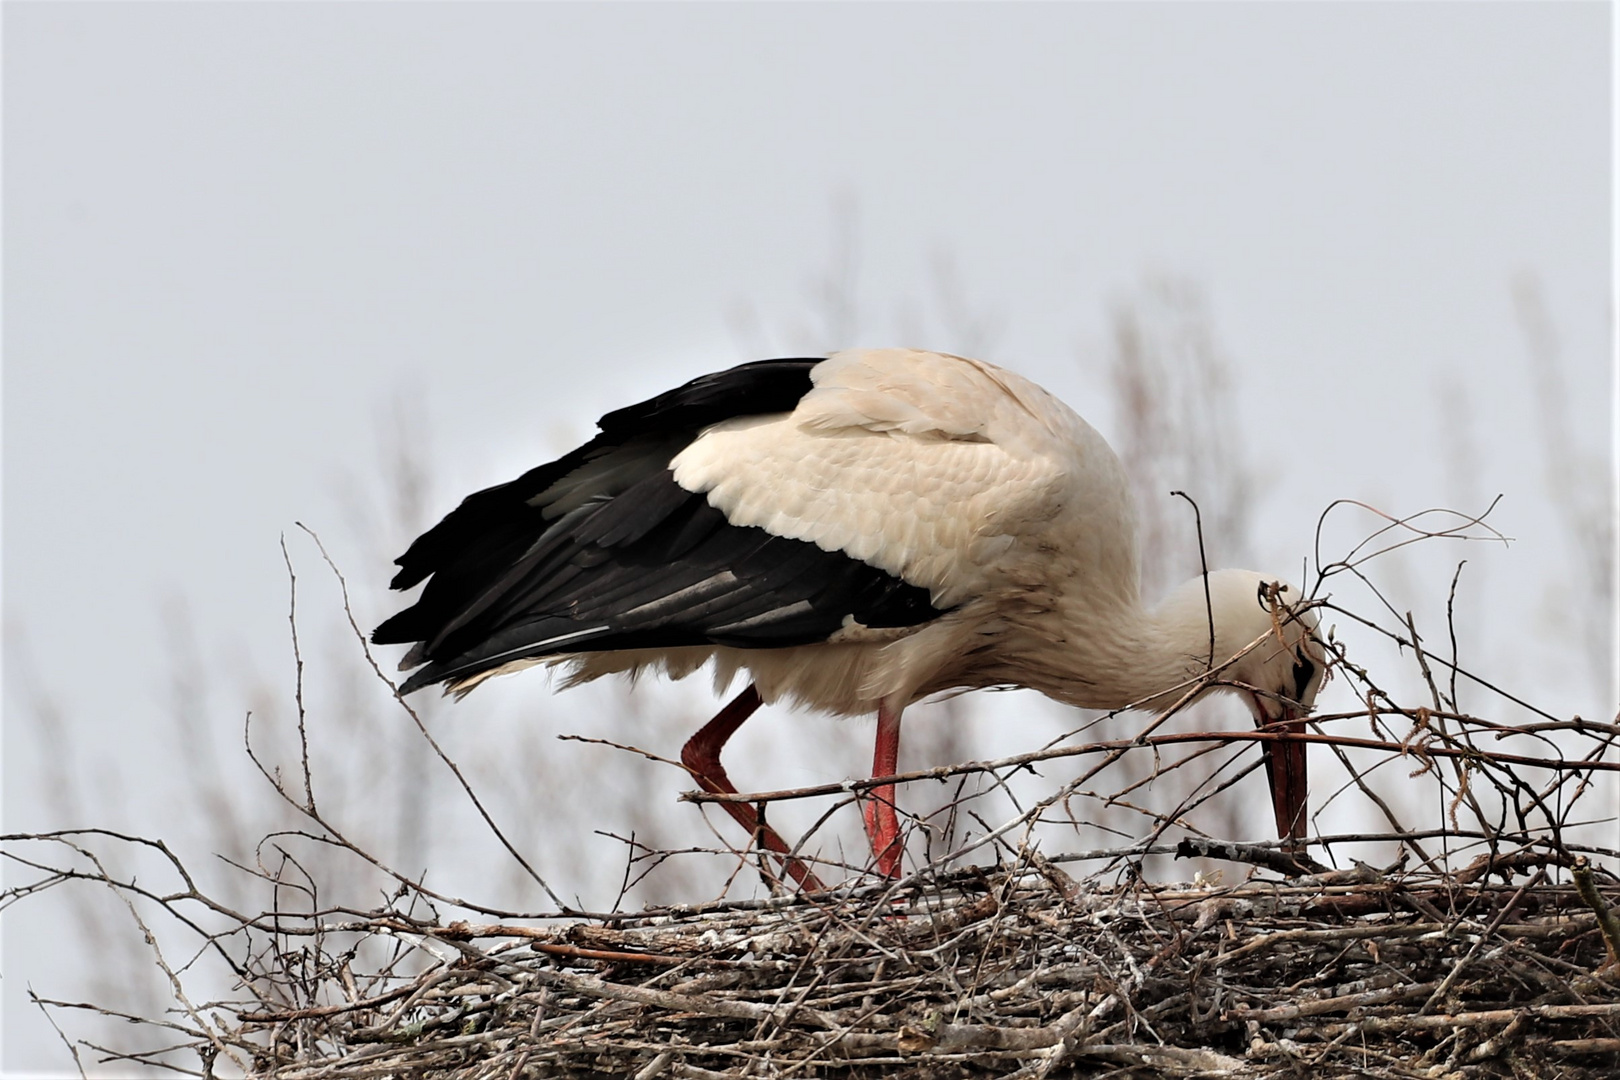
[855, 533]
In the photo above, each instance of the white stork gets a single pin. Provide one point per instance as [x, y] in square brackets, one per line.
[857, 533]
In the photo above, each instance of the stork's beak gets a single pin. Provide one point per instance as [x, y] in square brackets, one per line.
[1285, 769]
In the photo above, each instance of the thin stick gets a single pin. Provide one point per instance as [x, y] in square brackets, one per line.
[1203, 563]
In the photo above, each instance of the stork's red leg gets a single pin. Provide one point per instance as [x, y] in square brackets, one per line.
[882, 827]
[1286, 772]
[701, 756]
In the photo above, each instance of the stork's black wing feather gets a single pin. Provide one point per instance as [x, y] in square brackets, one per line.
[601, 550]
[486, 520]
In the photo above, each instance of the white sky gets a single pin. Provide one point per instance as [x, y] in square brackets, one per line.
[233, 234]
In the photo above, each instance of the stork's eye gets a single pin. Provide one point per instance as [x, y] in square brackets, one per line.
[1304, 672]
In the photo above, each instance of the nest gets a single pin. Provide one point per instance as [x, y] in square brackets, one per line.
[1018, 972]
[990, 959]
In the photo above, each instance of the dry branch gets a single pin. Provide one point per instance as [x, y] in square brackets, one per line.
[992, 974]
[1492, 956]
[1019, 971]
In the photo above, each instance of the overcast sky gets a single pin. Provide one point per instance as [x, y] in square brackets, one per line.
[236, 234]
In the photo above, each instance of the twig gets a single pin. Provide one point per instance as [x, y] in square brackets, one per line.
[1284, 861]
[1581, 872]
[455, 770]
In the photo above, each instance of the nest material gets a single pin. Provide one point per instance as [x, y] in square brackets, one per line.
[1016, 973]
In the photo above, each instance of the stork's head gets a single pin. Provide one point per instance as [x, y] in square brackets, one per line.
[1257, 619]
[1279, 665]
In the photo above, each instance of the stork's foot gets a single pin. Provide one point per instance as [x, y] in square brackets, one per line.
[882, 827]
[701, 756]
[883, 830]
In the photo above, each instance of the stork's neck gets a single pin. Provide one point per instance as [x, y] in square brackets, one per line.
[1117, 652]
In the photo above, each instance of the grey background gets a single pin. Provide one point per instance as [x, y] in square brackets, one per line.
[240, 238]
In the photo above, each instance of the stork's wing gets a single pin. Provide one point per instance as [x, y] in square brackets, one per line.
[602, 550]
[952, 474]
